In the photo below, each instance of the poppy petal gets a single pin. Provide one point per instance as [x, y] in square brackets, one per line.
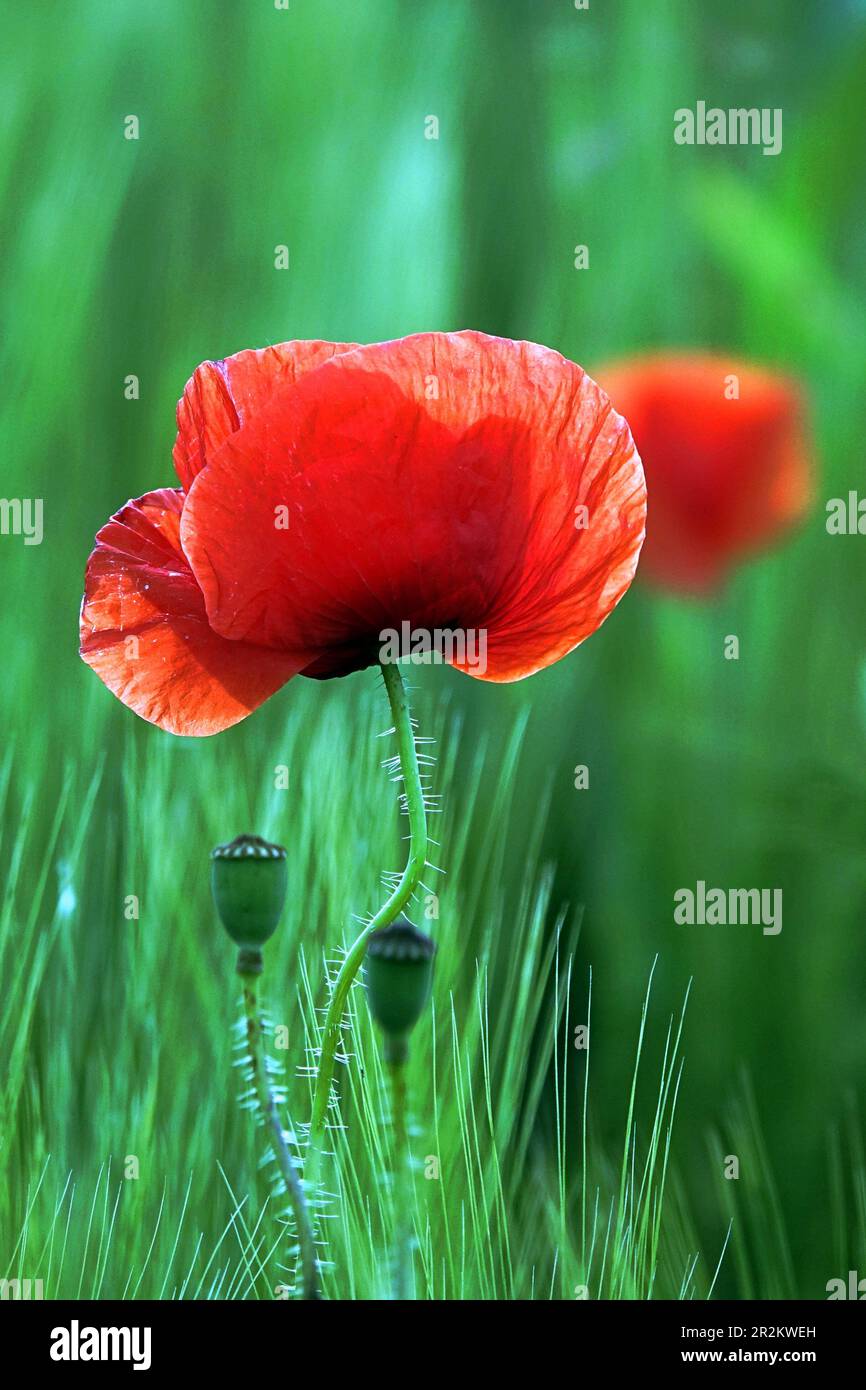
[454, 481]
[219, 396]
[727, 456]
[144, 628]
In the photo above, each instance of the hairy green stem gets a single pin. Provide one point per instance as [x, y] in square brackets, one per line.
[409, 881]
[310, 1288]
[402, 1248]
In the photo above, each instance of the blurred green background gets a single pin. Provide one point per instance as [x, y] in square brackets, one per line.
[306, 127]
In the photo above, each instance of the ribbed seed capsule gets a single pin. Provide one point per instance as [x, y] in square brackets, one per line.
[249, 879]
[398, 975]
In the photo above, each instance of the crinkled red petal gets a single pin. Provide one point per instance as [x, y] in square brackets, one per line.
[220, 396]
[452, 481]
[145, 632]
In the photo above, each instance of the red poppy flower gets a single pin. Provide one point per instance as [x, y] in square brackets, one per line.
[727, 458]
[331, 492]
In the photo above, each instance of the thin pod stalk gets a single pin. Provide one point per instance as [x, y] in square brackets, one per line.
[399, 975]
[248, 881]
[403, 1273]
[267, 1106]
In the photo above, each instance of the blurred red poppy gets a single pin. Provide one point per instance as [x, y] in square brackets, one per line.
[331, 492]
[727, 456]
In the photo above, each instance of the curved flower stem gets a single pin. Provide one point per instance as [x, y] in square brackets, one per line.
[414, 794]
[402, 1253]
[289, 1172]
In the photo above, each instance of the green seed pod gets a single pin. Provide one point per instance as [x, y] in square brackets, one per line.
[399, 973]
[248, 881]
